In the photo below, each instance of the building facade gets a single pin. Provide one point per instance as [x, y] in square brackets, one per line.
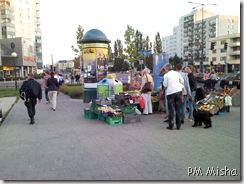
[193, 34]
[226, 53]
[21, 19]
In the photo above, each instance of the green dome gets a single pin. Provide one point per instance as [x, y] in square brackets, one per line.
[94, 36]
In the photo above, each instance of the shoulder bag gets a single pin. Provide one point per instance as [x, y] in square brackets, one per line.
[147, 87]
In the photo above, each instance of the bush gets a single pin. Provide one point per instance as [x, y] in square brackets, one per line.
[72, 90]
[76, 93]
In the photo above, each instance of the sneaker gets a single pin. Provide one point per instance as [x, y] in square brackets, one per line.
[47, 102]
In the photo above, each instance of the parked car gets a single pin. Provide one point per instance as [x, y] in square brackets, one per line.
[231, 80]
[199, 77]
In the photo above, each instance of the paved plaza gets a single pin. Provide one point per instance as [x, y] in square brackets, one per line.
[64, 145]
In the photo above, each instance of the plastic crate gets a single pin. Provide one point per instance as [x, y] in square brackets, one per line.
[128, 110]
[155, 106]
[132, 118]
[115, 120]
[90, 114]
[101, 117]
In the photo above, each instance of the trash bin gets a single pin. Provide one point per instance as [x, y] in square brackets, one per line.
[108, 87]
[89, 94]
[102, 87]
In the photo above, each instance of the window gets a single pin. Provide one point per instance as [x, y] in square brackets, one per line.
[222, 58]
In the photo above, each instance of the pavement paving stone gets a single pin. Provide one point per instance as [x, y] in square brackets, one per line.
[64, 145]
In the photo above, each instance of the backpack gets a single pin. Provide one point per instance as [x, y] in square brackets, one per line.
[26, 92]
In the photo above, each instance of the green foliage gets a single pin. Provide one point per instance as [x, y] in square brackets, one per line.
[8, 92]
[175, 60]
[79, 36]
[158, 44]
[75, 91]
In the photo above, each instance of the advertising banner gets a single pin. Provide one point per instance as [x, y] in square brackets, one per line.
[159, 60]
[95, 63]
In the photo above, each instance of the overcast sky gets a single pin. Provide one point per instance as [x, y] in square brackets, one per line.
[60, 20]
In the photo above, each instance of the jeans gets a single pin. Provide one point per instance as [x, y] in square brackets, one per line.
[46, 94]
[183, 109]
[31, 107]
[192, 104]
[174, 105]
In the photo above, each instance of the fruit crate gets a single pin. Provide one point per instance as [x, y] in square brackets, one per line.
[128, 110]
[90, 114]
[132, 118]
[115, 120]
[101, 117]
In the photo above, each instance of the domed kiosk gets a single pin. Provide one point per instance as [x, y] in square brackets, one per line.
[95, 61]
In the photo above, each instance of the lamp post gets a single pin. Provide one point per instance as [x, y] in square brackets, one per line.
[14, 54]
[202, 45]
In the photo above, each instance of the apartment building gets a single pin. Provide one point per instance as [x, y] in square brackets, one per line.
[194, 31]
[226, 53]
[21, 19]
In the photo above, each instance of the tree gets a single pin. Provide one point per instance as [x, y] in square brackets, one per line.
[157, 48]
[78, 48]
[175, 60]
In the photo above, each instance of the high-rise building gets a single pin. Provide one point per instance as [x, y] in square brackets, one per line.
[194, 31]
[21, 19]
[225, 54]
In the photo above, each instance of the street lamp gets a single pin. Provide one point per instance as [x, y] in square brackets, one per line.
[14, 54]
[201, 4]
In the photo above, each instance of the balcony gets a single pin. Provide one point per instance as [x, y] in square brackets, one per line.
[234, 61]
[234, 44]
[237, 52]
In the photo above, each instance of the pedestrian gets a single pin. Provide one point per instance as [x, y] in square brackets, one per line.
[44, 85]
[193, 87]
[206, 79]
[147, 95]
[35, 91]
[213, 80]
[72, 79]
[174, 83]
[186, 92]
[53, 90]
[135, 84]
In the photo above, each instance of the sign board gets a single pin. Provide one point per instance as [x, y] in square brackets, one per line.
[145, 52]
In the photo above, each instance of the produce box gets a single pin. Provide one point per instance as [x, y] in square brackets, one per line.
[114, 120]
[205, 109]
[101, 117]
[128, 109]
[132, 118]
[89, 114]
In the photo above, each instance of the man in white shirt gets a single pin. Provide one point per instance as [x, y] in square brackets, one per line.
[174, 83]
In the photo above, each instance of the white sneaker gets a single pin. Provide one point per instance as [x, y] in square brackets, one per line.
[47, 102]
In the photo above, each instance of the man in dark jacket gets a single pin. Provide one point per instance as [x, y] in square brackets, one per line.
[35, 92]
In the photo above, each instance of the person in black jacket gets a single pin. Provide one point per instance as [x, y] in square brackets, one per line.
[193, 87]
[36, 92]
[53, 90]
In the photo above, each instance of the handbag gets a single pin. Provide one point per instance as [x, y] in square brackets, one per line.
[147, 87]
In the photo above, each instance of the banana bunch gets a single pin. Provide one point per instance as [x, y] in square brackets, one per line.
[206, 107]
[105, 109]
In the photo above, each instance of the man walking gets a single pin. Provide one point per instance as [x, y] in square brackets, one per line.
[35, 91]
[174, 83]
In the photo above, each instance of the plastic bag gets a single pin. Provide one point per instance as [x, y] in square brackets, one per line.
[142, 102]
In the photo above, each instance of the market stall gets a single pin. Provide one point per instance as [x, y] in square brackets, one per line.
[215, 102]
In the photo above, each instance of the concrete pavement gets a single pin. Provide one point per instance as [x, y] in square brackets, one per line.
[63, 145]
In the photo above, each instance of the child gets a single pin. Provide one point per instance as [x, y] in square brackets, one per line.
[161, 100]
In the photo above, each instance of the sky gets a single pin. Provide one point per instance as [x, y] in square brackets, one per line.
[60, 20]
